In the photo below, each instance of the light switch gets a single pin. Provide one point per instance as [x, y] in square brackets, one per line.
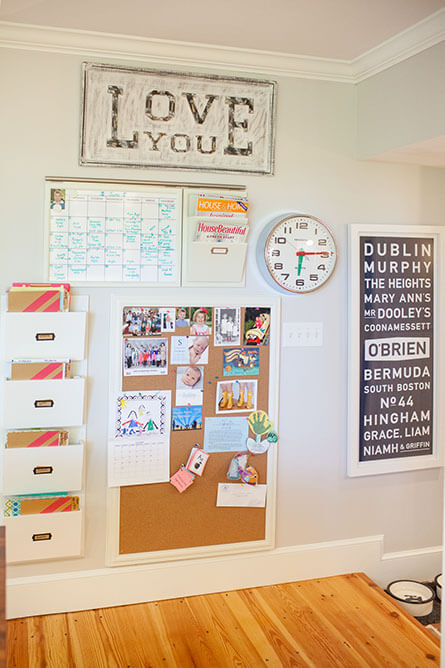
[301, 334]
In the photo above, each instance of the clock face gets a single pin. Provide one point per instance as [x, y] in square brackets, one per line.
[300, 253]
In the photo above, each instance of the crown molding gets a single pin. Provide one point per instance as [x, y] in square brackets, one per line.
[419, 37]
[169, 52]
[85, 43]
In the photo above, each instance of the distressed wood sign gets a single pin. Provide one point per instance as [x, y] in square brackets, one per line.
[144, 118]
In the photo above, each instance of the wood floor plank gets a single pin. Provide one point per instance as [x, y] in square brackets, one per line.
[189, 640]
[87, 643]
[225, 634]
[272, 649]
[17, 643]
[319, 638]
[336, 622]
[351, 627]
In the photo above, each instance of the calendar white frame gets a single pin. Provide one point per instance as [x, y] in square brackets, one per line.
[96, 185]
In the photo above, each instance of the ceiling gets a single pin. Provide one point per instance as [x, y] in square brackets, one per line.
[334, 29]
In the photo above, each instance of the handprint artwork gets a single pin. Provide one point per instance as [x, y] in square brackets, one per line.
[260, 425]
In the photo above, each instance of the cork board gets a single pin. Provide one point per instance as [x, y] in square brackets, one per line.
[156, 517]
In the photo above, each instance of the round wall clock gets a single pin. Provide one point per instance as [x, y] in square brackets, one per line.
[296, 253]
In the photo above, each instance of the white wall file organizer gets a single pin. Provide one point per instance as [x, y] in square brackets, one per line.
[207, 262]
[44, 469]
[43, 403]
[214, 263]
[44, 536]
[37, 336]
[32, 404]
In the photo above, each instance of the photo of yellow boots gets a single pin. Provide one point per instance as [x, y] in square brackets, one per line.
[236, 396]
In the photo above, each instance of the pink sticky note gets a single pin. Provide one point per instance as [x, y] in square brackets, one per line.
[182, 479]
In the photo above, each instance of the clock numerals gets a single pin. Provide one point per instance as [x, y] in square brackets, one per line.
[278, 265]
[280, 240]
[276, 253]
[322, 242]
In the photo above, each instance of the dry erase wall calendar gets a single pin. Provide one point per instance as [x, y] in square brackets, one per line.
[113, 233]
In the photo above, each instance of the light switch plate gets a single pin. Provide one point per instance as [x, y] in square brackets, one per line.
[302, 334]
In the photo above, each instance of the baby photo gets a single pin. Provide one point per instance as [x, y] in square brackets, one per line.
[198, 349]
[201, 320]
[236, 396]
[189, 385]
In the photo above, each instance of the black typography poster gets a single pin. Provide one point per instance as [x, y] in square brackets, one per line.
[396, 347]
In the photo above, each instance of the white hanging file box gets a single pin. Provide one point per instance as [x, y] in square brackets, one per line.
[43, 403]
[43, 536]
[43, 469]
[45, 335]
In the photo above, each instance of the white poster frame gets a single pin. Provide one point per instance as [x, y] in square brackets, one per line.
[355, 467]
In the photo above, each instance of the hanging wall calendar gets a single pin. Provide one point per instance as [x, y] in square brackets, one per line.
[113, 233]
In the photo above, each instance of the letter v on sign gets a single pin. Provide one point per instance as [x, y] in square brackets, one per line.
[193, 108]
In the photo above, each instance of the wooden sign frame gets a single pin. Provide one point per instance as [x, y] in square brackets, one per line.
[215, 298]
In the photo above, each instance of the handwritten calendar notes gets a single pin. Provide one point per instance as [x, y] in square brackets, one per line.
[139, 453]
[113, 236]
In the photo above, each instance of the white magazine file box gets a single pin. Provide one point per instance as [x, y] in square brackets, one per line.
[43, 536]
[211, 263]
[45, 335]
[43, 403]
[42, 469]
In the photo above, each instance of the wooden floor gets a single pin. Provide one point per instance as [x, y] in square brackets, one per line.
[338, 621]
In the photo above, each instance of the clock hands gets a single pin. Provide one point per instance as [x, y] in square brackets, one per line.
[300, 262]
[301, 253]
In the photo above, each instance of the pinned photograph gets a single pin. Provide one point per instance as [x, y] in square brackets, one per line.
[145, 357]
[198, 349]
[241, 361]
[236, 396]
[257, 326]
[141, 321]
[183, 316]
[58, 196]
[201, 320]
[168, 319]
[227, 326]
[186, 418]
[189, 385]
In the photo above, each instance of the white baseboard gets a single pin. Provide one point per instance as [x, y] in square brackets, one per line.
[83, 590]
